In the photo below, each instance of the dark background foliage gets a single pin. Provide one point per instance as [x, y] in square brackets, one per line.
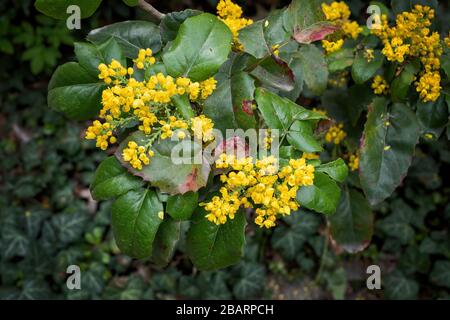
[48, 220]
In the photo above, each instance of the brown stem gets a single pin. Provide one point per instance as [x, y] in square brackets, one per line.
[144, 5]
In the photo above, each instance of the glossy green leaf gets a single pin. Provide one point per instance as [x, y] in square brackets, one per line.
[172, 21]
[301, 136]
[111, 179]
[181, 173]
[58, 8]
[211, 246]
[314, 68]
[135, 222]
[387, 147]
[165, 241]
[402, 83]
[362, 69]
[337, 169]
[274, 73]
[322, 197]
[130, 35]
[201, 46]
[352, 224]
[432, 116]
[74, 92]
[340, 60]
[90, 56]
[183, 106]
[181, 206]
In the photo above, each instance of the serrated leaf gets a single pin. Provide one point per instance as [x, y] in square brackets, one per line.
[387, 147]
[135, 222]
[130, 35]
[201, 46]
[322, 197]
[352, 224]
[211, 246]
[74, 92]
[172, 21]
[111, 179]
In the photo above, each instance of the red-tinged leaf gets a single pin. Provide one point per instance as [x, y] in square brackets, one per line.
[247, 107]
[316, 32]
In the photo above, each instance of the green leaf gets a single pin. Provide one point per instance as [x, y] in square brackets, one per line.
[172, 21]
[440, 274]
[387, 147]
[397, 224]
[90, 56]
[322, 197]
[432, 116]
[181, 207]
[173, 177]
[399, 287]
[230, 105]
[111, 179]
[274, 73]
[402, 83]
[314, 68]
[251, 282]
[301, 136]
[164, 244]
[412, 260]
[352, 224]
[68, 227]
[74, 92]
[363, 70]
[131, 3]
[130, 35]
[201, 46]
[212, 246]
[337, 170]
[290, 238]
[58, 8]
[340, 60]
[183, 106]
[135, 222]
[280, 113]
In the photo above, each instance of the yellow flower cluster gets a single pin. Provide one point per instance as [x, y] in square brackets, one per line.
[231, 14]
[339, 13]
[258, 184]
[353, 161]
[368, 54]
[411, 37]
[447, 40]
[335, 134]
[379, 85]
[148, 105]
[137, 155]
[144, 57]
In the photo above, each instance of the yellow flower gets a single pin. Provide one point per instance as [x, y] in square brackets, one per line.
[379, 85]
[368, 54]
[353, 161]
[202, 127]
[336, 11]
[332, 46]
[335, 134]
[136, 155]
[351, 29]
[429, 86]
[231, 14]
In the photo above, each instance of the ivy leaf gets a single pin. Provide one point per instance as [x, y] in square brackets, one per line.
[230, 105]
[251, 282]
[212, 246]
[58, 8]
[322, 197]
[412, 260]
[201, 46]
[111, 179]
[135, 222]
[280, 113]
[440, 274]
[165, 240]
[14, 243]
[90, 56]
[69, 226]
[387, 147]
[397, 225]
[170, 175]
[172, 21]
[130, 35]
[74, 92]
[352, 224]
[432, 116]
[362, 69]
[314, 68]
[337, 169]
[289, 238]
[34, 289]
[181, 206]
[399, 287]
